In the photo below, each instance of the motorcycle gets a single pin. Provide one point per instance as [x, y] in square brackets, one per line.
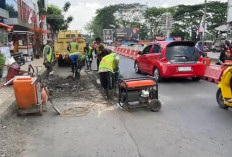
[224, 92]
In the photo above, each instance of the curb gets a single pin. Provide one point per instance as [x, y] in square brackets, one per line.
[8, 107]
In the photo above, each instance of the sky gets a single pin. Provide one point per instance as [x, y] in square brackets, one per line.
[84, 10]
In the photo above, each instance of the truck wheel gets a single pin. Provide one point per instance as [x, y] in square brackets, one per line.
[155, 105]
[156, 74]
[137, 68]
[220, 99]
[59, 62]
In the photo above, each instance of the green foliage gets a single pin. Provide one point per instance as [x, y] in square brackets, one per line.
[59, 23]
[187, 19]
[11, 10]
[2, 61]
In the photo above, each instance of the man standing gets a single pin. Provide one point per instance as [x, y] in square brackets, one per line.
[107, 69]
[48, 56]
[89, 55]
[200, 50]
[96, 50]
[73, 46]
[102, 52]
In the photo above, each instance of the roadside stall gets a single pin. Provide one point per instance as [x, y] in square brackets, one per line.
[4, 48]
[23, 41]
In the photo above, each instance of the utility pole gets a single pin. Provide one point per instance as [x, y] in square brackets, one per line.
[203, 33]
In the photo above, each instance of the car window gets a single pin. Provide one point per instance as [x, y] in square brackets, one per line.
[180, 53]
[156, 49]
[147, 49]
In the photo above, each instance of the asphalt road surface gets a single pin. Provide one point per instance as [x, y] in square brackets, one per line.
[189, 124]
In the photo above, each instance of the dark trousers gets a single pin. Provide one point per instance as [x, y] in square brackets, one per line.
[49, 68]
[107, 80]
[98, 63]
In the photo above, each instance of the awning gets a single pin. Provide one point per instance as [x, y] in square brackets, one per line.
[9, 28]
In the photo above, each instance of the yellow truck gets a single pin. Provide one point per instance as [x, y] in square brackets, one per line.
[64, 38]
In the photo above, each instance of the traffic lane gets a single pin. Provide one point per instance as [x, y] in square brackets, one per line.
[126, 67]
[189, 121]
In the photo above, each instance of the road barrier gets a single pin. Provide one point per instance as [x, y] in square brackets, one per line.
[213, 73]
[127, 52]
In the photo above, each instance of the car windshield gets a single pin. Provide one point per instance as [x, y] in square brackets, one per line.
[180, 53]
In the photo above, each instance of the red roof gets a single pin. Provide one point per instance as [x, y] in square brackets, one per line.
[9, 28]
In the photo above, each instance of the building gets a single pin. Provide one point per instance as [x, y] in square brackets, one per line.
[4, 28]
[23, 14]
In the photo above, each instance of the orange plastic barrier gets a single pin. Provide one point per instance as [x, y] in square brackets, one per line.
[124, 52]
[25, 93]
[130, 54]
[206, 61]
[213, 73]
[121, 51]
[127, 54]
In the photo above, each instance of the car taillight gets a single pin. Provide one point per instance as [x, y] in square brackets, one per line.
[200, 59]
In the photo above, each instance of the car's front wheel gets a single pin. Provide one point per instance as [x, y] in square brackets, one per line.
[156, 74]
[137, 70]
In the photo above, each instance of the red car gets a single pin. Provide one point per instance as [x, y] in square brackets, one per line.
[170, 59]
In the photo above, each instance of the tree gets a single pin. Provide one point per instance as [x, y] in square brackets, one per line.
[55, 17]
[153, 17]
[116, 16]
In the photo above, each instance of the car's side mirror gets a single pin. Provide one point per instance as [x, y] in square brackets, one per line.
[140, 52]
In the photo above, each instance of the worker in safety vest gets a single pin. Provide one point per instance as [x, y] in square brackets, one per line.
[49, 56]
[89, 55]
[73, 46]
[109, 66]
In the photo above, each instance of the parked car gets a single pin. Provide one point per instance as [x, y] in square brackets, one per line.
[170, 59]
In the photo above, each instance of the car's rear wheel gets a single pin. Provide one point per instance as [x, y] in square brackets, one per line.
[156, 74]
[137, 70]
[196, 78]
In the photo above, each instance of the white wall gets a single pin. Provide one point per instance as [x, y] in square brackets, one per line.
[229, 11]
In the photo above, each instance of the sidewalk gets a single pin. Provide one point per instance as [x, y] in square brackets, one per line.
[7, 93]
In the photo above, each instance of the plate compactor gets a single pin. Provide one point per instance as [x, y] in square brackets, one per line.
[139, 92]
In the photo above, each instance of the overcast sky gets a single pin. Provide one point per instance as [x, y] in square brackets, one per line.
[84, 10]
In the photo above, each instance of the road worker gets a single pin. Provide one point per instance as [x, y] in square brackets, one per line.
[89, 56]
[108, 70]
[49, 56]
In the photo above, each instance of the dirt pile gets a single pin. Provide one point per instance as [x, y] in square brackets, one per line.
[65, 87]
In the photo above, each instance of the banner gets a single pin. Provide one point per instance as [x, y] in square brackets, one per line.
[127, 34]
[108, 35]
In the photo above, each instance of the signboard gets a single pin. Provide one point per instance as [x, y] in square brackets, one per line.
[127, 34]
[108, 35]
[229, 11]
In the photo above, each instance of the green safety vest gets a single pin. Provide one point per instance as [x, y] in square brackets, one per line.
[73, 47]
[90, 51]
[108, 62]
[49, 56]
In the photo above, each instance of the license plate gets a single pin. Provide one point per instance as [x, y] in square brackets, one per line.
[184, 68]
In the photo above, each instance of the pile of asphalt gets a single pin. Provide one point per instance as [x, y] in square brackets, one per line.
[65, 87]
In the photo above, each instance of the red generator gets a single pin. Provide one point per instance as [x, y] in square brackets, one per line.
[139, 92]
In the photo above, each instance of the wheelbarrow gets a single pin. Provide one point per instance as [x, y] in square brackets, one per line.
[139, 92]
